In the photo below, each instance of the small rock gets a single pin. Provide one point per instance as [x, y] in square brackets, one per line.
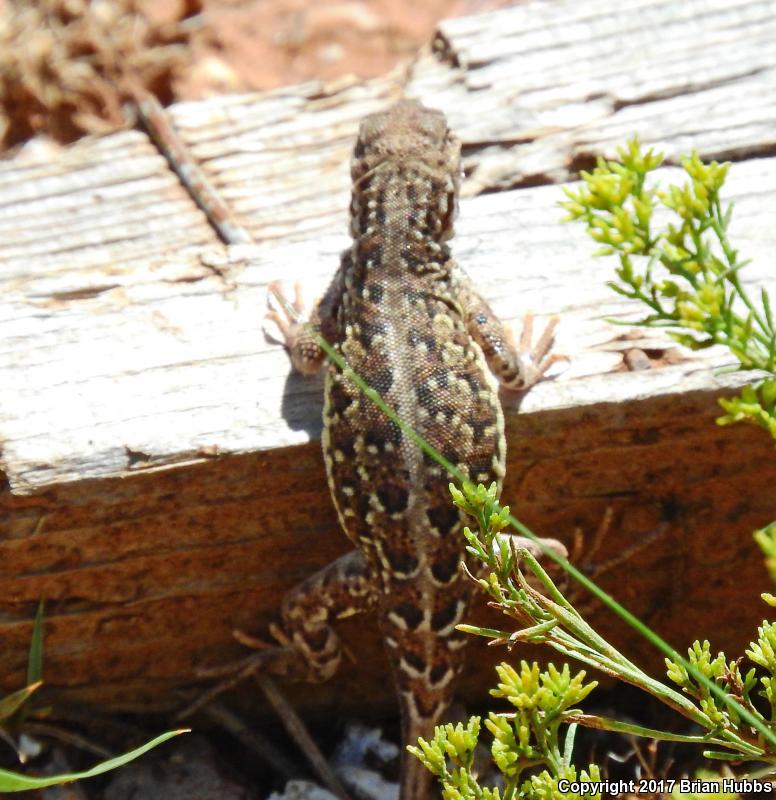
[361, 760]
[360, 743]
[366, 784]
[302, 790]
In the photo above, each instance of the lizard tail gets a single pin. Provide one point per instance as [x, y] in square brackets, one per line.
[423, 707]
[426, 653]
[416, 781]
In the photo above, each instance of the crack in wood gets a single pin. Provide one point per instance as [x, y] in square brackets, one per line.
[685, 89]
[87, 293]
[136, 459]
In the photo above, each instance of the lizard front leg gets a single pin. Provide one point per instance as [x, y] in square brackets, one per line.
[516, 367]
[299, 331]
[298, 335]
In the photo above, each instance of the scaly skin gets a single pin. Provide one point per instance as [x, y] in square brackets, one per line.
[409, 322]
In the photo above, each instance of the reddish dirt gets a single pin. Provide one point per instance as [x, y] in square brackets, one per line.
[69, 67]
[260, 44]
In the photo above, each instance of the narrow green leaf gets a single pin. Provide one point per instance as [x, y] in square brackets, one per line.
[568, 747]
[766, 301]
[11, 703]
[727, 216]
[718, 755]
[35, 659]
[490, 633]
[14, 782]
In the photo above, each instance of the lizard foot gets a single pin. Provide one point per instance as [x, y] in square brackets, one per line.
[585, 554]
[298, 334]
[286, 316]
[268, 658]
[536, 358]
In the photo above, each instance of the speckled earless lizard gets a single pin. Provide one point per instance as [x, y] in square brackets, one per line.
[410, 322]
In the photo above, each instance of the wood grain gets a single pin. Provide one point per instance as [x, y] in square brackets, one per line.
[162, 482]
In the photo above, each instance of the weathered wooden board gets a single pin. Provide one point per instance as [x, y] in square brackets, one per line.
[169, 364]
[162, 480]
[577, 79]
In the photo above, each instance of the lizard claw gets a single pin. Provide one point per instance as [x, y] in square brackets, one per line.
[233, 674]
[536, 358]
[286, 315]
[536, 550]
[268, 654]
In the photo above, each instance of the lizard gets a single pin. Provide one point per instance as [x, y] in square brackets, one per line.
[410, 322]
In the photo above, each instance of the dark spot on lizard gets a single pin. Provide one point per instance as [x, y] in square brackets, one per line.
[424, 395]
[413, 260]
[412, 615]
[369, 330]
[339, 399]
[446, 569]
[442, 377]
[444, 616]
[376, 252]
[474, 383]
[479, 428]
[375, 292]
[414, 338]
[414, 660]
[378, 436]
[375, 437]
[443, 518]
[363, 507]
[393, 497]
[427, 706]
[345, 445]
[316, 639]
[439, 672]
[354, 569]
[451, 455]
[479, 468]
[382, 381]
[401, 562]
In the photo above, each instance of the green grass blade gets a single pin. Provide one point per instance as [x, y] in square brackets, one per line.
[35, 659]
[11, 703]
[14, 782]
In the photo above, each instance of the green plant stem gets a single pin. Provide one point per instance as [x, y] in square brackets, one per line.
[608, 724]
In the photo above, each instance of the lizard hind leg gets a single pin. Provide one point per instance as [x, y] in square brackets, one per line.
[309, 648]
[340, 590]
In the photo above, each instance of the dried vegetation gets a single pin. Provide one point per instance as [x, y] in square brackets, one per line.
[69, 67]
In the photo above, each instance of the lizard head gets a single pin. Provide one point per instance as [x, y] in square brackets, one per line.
[407, 130]
[410, 138]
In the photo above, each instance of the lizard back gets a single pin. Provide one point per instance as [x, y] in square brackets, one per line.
[401, 326]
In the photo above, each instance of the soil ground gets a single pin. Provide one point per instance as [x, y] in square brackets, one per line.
[69, 67]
